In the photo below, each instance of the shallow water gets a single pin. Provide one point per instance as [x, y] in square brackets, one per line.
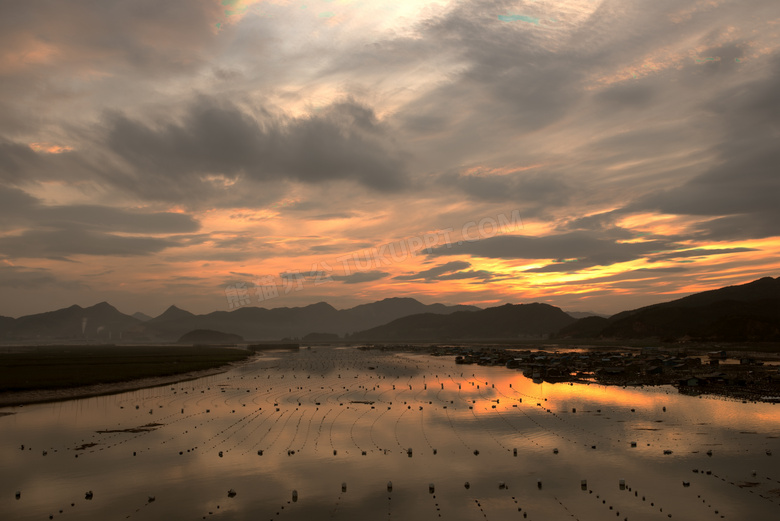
[309, 402]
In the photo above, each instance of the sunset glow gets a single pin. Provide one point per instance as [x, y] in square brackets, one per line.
[586, 154]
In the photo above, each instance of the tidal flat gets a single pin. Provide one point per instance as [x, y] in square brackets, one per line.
[31, 374]
[346, 434]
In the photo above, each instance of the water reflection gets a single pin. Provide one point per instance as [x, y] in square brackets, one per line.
[312, 420]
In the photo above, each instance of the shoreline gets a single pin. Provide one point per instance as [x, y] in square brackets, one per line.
[628, 367]
[38, 396]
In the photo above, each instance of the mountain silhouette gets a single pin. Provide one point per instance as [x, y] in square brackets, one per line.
[502, 322]
[747, 312]
[258, 323]
[171, 314]
[101, 321]
[143, 317]
[105, 323]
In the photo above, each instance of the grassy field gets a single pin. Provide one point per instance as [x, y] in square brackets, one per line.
[61, 367]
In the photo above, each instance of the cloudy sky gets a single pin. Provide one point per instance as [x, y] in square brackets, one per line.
[593, 154]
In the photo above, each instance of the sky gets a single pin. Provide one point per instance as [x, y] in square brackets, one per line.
[595, 155]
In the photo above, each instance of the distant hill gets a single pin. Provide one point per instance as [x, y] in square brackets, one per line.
[584, 314]
[6, 326]
[207, 336]
[389, 309]
[143, 317]
[748, 312]
[502, 322]
[258, 323]
[172, 314]
[765, 288]
[586, 327]
[105, 323]
[99, 322]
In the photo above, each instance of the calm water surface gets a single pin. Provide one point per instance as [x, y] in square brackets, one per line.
[351, 416]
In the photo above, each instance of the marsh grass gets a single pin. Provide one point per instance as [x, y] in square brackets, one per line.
[60, 367]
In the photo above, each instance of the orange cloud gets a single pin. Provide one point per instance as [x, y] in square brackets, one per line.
[48, 148]
[26, 50]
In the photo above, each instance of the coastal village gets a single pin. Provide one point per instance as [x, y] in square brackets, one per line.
[739, 375]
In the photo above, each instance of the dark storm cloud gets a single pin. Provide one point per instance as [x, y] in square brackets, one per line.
[19, 207]
[56, 232]
[754, 225]
[16, 277]
[327, 248]
[481, 275]
[742, 189]
[454, 270]
[698, 252]
[567, 266]
[522, 187]
[596, 222]
[20, 165]
[330, 216]
[634, 275]
[240, 274]
[15, 204]
[55, 244]
[571, 251]
[437, 271]
[343, 142]
[116, 220]
[359, 277]
[15, 161]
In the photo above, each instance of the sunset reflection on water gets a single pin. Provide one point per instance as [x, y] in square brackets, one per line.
[326, 416]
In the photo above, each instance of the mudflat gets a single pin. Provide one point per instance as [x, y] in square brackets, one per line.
[34, 374]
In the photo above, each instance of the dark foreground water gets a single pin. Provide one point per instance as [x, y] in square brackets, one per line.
[315, 403]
